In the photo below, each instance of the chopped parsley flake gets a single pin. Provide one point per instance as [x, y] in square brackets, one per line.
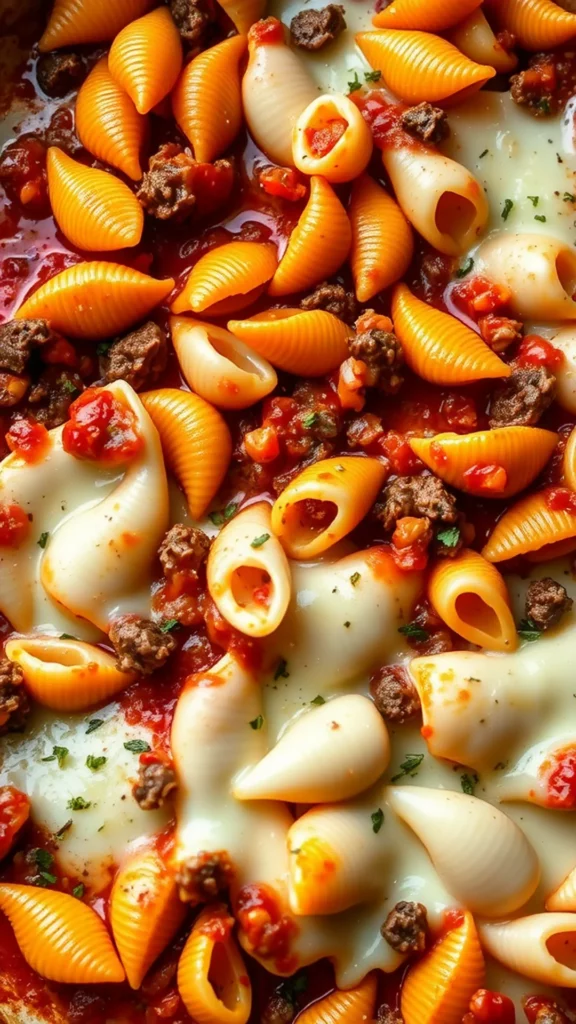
[569, 197]
[43, 539]
[78, 803]
[94, 763]
[58, 754]
[449, 537]
[256, 723]
[259, 541]
[377, 820]
[354, 578]
[43, 858]
[468, 783]
[544, 105]
[169, 626]
[67, 636]
[281, 672]
[310, 420]
[372, 76]
[483, 154]
[219, 518]
[409, 766]
[465, 268]
[137, 746]
[94, 724]
[291, 988]
[540, 217]
[355, 84]
[318, 700]
[414, 632]
[508, 204]
[534, 200]
[63, 829]
[69, 386]
[528, 631]
[347, 625]
[102, 348]
[45, 878]
[78, 891]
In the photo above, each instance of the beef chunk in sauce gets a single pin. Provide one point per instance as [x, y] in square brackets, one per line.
[59, 72]
[192, 18]
[550, 1015]
[278, 1010]
[140, 644]
[546, 603]
[205, 877]
[521, 398]
[382, 353]
[313, 29]
[167, 188]
[426, 122]
[416, 496]
[536, 87]
[17, 340]
[386, 1015]
[14, 704]
[394, 694]
[155, 782]
[333, 298]
[405, 927]
[184, 549]
[138, 358]
[51, 397]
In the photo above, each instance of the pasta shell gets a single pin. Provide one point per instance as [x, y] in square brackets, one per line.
[243, 13]
[348, 484]
[438, 989]
[195, 440]
[145, 58]
[539, 271]
[212, 979]
[520, 451]
[83, 21]
[308, 343]
[315, 762]
[565, 341]
[344, 1007]
[207, 101]
[67, 675]
[475, 39]
[537, 24]
[529, 526]
[108, 124]
[569, 461]
[95, 300]
[382, 240]
[349, 153]
[541, 947]
[438, 347]
[219, 367]
[60, 937]
[318, 245]
[471, 597]
[96, 211]
[436, 17]
[418, 66]
[145, 912]
[236, 271]
[564, 897]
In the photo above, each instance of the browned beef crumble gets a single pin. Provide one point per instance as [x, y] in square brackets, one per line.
[551, 1015]
[205, 877]
[406, 927]
[521, 398]
[140, 644]
[192, 18]
[546, 603]
[52, 395]
[416, 496]
[333, 298]
[382, 353]
[386, 1015]
[499, 332]
[155, 782]
[59, 72]
[426, 122]
[184, 549]
[278, 1010]
[167, 188]
[536, 87]
[312, 29]
[139, 358]
[394, 694]
[14, 703]
[17, 340]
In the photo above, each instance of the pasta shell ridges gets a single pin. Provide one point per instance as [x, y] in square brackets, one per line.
[438, 989]
[108, 124]
[344, 1007]
[527, 527]
[536, 24]
[472, 597]
[207, 101]
[198, 989]
[382, 240]
[305, 342]
[83, 21]
[146, 57]
[436, 17]
[230, 271]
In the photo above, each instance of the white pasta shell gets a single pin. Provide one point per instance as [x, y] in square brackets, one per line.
[539, 270]
[541, 947]
[565, 340]
[564, 897]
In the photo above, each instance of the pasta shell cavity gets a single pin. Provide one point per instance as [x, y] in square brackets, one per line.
[108, 124]
[332, 138]
[248, 573]
[83, 21]
[227, 278]
[475, 39]
[146, 57]
[539, 271]
[220, 367]
[418, 66]
[195, 440]
[471, 596]
[344, 1007]
[309, 343]
[95, 210]
[438, 347]
[515, 455]
[207, 101]
[537, 24]
[438, 989]
[212, 979]
[530, 526]
[341, 490]
[541, 947]
[382, 240]
[436, 17]
[318, 245]
[66, 675]
[59, 936]
[95, 300]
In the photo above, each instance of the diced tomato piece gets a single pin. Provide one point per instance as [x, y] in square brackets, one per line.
[537, 351]
[28, 439]
[262, 444]
[534, 1004]
[14, 525]
[560, 773]
[14, 811]
[283, 182]
[400, 455]
[560, 499]
[489, 1007]
[351, 384]
[101, 427]
[269, 30]
[59, 352]
[478, 295]
[486, 479]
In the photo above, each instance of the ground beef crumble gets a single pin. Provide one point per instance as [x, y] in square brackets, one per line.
[205, 877]
[546, 603]
[278, 1010]
[550, 1015]
[51, 397]
[59, 72]
[416, 496]
[426, 122]
[14, 704]
[140, 644]
[184, 549]
[382, 354]
[394, 694]
[333, 298]
[192, 18]
[520, 399]
[406, 927]
[312, 29]
[155, 782]
[386, 1015]
[139, 358]
[17, 340]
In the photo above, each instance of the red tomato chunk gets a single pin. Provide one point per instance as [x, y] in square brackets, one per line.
[14, 811]
[28, 439]
[14, 525]
[101, 428]
[560, 772]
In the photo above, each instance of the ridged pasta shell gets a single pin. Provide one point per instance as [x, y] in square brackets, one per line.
[95, 210]
[318, 245]
[66, 675]
[521, 451]
[483, 858]
[382, 240]
[418, 66]
[537, 24]
[308, 343]
[83, 21]
[144, 911]
[59, 936]
[565, 341]
[438, 347]
[349, 154]
[107, 122]
[195, 440]
[475, 39]
[317, 762]
[541, 947]
[569, 461]
[235, 271]
[212, 979]
[243, 13]
[344, 1007]
[471, 597]
[207, 101]
[438, 989]
[433, 17]
[538, 270]
[220, 367]
[528, 526]
[349, 484]
[563, 898]
[145, 58]
[95, 300]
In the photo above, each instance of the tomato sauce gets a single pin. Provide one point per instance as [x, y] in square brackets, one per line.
[27, 439]
[101, 427]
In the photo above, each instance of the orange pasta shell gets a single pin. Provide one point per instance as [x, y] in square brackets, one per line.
[438, 989]
[536, 24]
[146, 57]
[438, 347]
[569, 461]
[318, 245]
[96, 211]
[521, 451]
[428, 17]
[212, 978]
[95, 300]
[418, 66]
[145, 912]
[471, 597]
[84, 21]
[236, 271]
[195, 440]
[344, 1007]
[308, 343]
[243, 13]
[59, 936]
[382, 240]
[529, 526]
[207, 101]
[107, 122]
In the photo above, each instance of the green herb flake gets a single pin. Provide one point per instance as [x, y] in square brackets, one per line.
[468, 783]
[102, 348]
[449, 537]
[69, 386]
[414, 632]
[544, 105]
[94, 724]
[67, 636]
[221, 517]
[508, 204]
[43, 539]
[528, 631]
[94, 763]
[256, 723]
[483, 154]
[259, 541]
[169, 626]
[281, 668]
[409, 766]
[354, 578]
[372, 76]
[377, 820]
[569, 197]
[78, 891]
[58, 754]
[355, 84]
[45, 878]
[310, 420]
[534, 200]
[465, 268]
[347, 625]
[43, 858]
[318, 700]
[63, 829]
[540, 217]
[78, 803]
[137, 746]
[291, 988]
